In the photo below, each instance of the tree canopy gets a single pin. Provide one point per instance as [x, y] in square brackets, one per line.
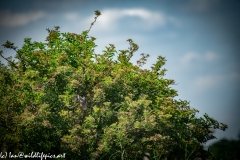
[59, 96]
[226, 149]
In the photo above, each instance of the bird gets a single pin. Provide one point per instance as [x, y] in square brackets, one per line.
[81, 100]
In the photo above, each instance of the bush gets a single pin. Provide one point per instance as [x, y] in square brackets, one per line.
[129, 111]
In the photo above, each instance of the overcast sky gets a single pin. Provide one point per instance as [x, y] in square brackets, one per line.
[199, 38]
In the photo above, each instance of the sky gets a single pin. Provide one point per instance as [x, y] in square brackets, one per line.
[199, 38]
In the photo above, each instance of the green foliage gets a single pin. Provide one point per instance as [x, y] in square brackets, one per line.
[225, 149]
[130, 110]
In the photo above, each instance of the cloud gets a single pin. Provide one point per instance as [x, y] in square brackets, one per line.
[235, 76]
[110, 18]
[71, 16]
[202, 83]
[200, 5]
[207, 81]
[172, 35]
[210, 56]
[10, 19]
[189, 57]
[174, 21]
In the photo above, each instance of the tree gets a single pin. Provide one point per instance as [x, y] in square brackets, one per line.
[225, 149]
[129, 110]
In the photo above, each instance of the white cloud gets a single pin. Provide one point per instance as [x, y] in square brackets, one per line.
[110, 18]
[151, 18]
[72, 16]
[202, 83]
[205, 81]
[9, 19]
[210, 56]
[189, 57]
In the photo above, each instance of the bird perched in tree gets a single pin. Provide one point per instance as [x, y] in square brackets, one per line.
[82, 101]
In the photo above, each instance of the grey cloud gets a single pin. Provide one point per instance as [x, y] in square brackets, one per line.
[10, 19]
[200, 5]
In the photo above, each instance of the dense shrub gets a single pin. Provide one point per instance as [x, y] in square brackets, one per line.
[130, 110]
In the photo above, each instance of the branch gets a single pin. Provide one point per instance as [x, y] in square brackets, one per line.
[97, 13]
[8, 60]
